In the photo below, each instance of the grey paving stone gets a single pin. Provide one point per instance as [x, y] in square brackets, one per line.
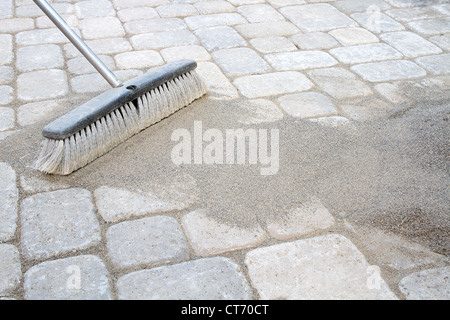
[6, 9]
[6, 74]
[6, 49]
[260, 13]
[102, 27]
[8, 202]
[159, 241]
[16, 24]
[300, 60]
[410, 44]
[95, 82]
[307, 105]
[34, 112]
[80, 65]
[430, 284]
[267, 29]
[216, 6]
[138, 59]
[10, 269]
[163, 40]
[411, 14]
[120, 4]
[219, 87]
[94, 8]
[366, 109]
[270, 84]
[351, 6]
[58, 222]
[44, 22]
[391, 92]
[245, 2]
[152, 26]
[333, 121]
[314, 41]
[354, 36]
[413, 3]
[388, 71]
[35, 185]
[258, 111]
[377, 22]
[210, 237]
[7, 118]
[431, 27]
[41, 57]
[273, 45]
[141, 13]
[43, 84]
[101, 46]
[6, 95]
[220, 38]
[438, 65]
[177, 10]
[211, 278]
[76, 278]
[309, 18]
[285, 3]
[196, 53]
[365, 53]
[40, 36]
[326, 267]
[240, 61]
[212, 20]
[442, 41]
[442, 8]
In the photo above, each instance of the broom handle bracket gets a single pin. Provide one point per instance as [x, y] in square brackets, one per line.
[59, 22]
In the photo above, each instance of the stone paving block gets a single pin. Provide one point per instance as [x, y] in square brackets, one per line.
[196, 53]
[117, 204]
[141, 13]
[138, 59]
[45, 23]
[245, 2]
[217, 6]
[6, 95]
[34, 58]
[351, 6]
[6, 49]
[8, 202]
[438, 65]
[391, 92]
[35, 185]
[309, 18]
[209, 237]
[210, 278]
[163, 40]
[6, 9]
[34, 112]
[270, 84]
[300, 60]
[101, 46]
[388, 70]
[333, 121]
[307, 105]
[365, 53]
[377, 22]
[430, 284]
[94, 9]
[80, 65]
[411, 14]
[218, 86]
[410, 44]
[366, 109]
[267, 29]
[273, 45]
[177, 10]
[40, 36]
[353, 36]
[146, 242]
[431, 27]
[95, 82]
[312, 215]
[258, 111]
[240, 61]
[121, 4]
[285, 3]
[443, 8]
[220, 38]
[76, 278]
[326, 267]
[412, 3]
[10, 269]
[151, 26]
[260, 13]
[7, 118]
[58, 222]
[213, 20]
[31, 11]
[314, 41]
[442, 41]
[16, 24]
[103, 27]
[6, 74]
[43, 84]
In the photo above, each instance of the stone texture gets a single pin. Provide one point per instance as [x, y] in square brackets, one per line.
[8, 202]
[339, 83]
[218, 86]
[7, 118]
[314, 41]
[141, 13]
[350, 6]
[273, 45]
[58, 222]
[365, 53]
[427, 285]
[300, 60]
[94, 8]
[220, 38]
[209, 237]
[6, 49]
[163, 40]
[35, 185]
[81, 65]
[76, 278]
[442, 41]
[334, 121]
[240, 61]
[388, 71]
[16, 25]
[309, 217]
[102, 27]
[95, 82]
[411, 14]
[259, 111]
[272, 84]
[152, 26]
[309, 18]
[212, 20]
[366, 109]
[34, 112]
[267, 29]
[307, 105]
[6, 9]
[354, 36]
[10, 269]
[177, 10]
[138, 59]
[33, 58]
[377, 22]
[101, 46]
[259, 13]
[205, 279]
[410, 44]
[215, 6]
[196, 53]
[6, 74]
[43, 84]
[44, 22]
[40, 36]
[326, 267]
[438, 65]
[146, 242]
[6, 95]
[391, 92]
[285, 3]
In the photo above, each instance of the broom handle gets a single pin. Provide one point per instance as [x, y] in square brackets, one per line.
[78, 43]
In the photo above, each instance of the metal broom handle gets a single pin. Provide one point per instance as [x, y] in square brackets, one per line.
[78, 43]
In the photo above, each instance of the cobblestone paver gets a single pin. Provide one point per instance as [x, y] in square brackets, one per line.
[332, 62]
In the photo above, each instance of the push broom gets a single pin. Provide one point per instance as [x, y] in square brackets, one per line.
[94, 128]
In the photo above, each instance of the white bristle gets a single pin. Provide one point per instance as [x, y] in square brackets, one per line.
[65, 156]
